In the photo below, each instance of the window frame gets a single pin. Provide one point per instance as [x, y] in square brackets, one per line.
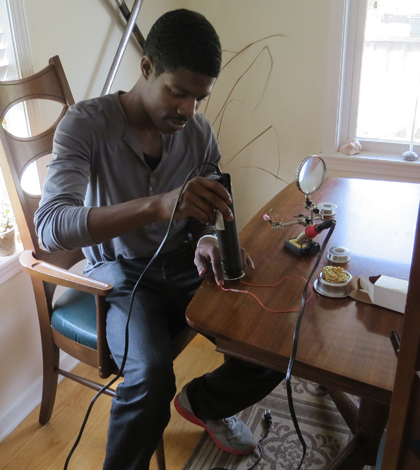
[9, 265]
[345, 47]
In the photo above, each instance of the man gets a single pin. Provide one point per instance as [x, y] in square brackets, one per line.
[119, 163]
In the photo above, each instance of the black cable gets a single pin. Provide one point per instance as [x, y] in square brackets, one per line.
[124, 360]
[295, 345]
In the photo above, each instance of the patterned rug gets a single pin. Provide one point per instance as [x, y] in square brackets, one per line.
[324, 430]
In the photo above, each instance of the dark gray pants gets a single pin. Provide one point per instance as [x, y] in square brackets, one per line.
[141, 410]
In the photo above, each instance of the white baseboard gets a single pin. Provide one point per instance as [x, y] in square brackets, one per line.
[29, 400]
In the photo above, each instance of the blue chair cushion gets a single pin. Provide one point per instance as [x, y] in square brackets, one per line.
[74, 316]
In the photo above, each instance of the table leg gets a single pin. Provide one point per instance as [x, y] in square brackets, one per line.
[347, 405]
[363, 448]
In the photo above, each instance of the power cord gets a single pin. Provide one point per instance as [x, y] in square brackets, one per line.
[268, 419]
[330, 224]
[124, 360]
[295, 345]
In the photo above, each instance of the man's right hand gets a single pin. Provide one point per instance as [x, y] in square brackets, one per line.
[199, 199]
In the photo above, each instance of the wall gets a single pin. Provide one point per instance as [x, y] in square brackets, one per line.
[20, 349]
[266, 108]
[272, 86]
[86, 36]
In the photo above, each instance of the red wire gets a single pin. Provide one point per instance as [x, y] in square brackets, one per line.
[269, 285]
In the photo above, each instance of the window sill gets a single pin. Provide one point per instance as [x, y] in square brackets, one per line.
[374, 165]
[9, 265]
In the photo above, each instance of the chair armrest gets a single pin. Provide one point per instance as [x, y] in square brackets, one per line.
[62, 277]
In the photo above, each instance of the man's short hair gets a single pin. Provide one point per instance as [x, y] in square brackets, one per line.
[184, 38]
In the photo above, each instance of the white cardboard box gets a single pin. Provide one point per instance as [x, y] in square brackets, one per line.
[385, 291]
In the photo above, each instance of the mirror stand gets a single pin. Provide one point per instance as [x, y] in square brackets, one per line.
[309, 178]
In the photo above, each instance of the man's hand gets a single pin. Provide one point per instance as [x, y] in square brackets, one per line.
[199, 200]
[208, 252]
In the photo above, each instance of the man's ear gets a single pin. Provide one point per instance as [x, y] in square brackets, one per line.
[146, 67]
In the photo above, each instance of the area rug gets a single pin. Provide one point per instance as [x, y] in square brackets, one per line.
[324, 430]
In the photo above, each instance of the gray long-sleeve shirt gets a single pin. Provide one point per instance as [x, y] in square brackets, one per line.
[98, 162]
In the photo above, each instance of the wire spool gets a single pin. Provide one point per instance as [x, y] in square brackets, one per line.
[338, 254]
[328, 208]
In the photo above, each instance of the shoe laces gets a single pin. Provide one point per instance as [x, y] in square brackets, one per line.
[230, 422]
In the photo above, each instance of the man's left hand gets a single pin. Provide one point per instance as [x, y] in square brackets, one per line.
[208, 253]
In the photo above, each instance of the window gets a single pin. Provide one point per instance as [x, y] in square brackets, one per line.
[8, 71]
[390, 73]
[373, 85]
[14, 64]
[13, 39]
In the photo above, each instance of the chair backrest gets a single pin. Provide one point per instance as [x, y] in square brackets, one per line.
[19, 152]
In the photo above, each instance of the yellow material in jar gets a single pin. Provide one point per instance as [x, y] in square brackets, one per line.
[334, 274]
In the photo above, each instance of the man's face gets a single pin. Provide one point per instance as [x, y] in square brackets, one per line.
[174, 97]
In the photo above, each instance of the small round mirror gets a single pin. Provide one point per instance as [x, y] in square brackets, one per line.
[311, 174]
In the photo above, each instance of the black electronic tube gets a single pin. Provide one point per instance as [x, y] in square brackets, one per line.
[227, 234]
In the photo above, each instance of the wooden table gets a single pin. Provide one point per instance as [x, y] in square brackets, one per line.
[344, 345]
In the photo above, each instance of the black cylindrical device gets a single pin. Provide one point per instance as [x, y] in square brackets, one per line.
[227, 234]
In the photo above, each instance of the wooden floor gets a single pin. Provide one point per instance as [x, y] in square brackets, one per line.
[35, 447]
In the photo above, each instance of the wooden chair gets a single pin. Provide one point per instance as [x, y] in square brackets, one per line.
[75, 323]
